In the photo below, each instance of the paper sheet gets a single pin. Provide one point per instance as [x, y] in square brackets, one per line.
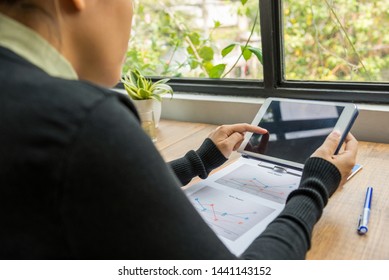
[239, 201]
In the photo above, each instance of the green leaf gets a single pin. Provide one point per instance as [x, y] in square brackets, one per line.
[216, 24]
[195, 38]
[133, 78]
[228, 49]
[243, 1]
[208, 66]
[130, 88]
[206, 53]
[190, 50]
[160, 88]
[131, 91]
[246, 53]
[141, 83]
[257, 52]
[193, 63]
[217, 71]
[162, 81]
[144, 93]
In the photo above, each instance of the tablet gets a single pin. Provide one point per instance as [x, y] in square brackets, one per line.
[296, 129]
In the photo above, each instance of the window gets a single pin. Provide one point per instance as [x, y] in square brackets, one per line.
[336, 40]
[329, 50]
[196, 39]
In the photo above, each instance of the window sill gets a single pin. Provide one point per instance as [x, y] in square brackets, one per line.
[212, 109]
[229, 109]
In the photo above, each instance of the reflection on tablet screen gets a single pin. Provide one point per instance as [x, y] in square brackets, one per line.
[296, 130]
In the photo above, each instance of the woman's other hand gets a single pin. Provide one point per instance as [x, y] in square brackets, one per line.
[345, 159]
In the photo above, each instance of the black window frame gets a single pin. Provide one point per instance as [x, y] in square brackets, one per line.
[273, 83]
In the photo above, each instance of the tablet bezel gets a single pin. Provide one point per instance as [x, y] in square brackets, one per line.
[344, 124]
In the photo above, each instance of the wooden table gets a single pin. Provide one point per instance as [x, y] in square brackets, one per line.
[334, 236]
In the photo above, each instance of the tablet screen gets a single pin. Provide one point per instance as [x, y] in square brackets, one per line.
[296, 130]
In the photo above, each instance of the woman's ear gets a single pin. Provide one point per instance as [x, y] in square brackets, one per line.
[79, 4]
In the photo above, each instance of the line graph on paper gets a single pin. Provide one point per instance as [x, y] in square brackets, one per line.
[261, 182]
[228, 215]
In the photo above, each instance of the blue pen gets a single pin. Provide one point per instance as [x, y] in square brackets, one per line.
[364, 218]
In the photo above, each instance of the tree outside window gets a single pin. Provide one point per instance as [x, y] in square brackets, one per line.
[196, 38]
[329, 40]
[336, 40]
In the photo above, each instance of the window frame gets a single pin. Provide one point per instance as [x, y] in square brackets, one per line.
[273, 83]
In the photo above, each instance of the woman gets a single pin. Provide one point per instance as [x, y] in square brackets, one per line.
[78, 177]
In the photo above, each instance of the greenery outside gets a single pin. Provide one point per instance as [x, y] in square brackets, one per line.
[196, 38]
[330, 40]
[342, 40]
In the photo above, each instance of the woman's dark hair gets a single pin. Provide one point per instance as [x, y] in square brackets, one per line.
[29, 6]
[26, 5]
[9, 2]
[13, 2]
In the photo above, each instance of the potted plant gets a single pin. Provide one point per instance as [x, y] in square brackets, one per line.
[146, 94]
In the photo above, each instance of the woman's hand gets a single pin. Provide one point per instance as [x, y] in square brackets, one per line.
[228, 138]
[345, 159]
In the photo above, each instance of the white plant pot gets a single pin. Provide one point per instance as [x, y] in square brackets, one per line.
[149, 105]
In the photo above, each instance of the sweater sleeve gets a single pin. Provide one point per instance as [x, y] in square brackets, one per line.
[289, 235]
[198, 163]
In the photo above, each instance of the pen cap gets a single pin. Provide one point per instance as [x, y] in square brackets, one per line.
[362, 230]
